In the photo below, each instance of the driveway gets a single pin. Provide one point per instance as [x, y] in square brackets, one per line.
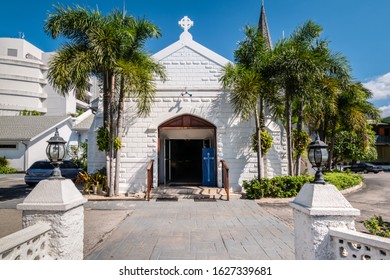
[372, 199]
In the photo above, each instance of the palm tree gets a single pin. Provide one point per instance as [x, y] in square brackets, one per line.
[297, 66]
[248, 89]
[96, 46]
[137, 76]
[347, 110]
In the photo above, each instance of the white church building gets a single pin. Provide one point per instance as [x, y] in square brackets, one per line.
[191, 127]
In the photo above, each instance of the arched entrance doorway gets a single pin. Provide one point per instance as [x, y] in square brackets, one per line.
[187, 152]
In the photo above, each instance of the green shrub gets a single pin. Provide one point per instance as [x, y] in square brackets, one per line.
[3, 162]
[343, 181]
[7, 170]
[280, 187]
[377, 226]
[289, 186]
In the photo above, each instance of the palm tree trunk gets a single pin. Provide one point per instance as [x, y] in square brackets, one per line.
[259, 157]
[331, 148]
[288, 112]
[299, 130]
[119, 132]
[106, 99]
[261, 125]
[106, 119]
[325, 129]
[112, 136]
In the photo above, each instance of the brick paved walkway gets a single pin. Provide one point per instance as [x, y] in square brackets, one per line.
[238, 229]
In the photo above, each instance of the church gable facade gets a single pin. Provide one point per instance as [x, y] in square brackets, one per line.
[190, 129]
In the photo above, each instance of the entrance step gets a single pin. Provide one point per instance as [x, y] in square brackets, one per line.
[188, 192]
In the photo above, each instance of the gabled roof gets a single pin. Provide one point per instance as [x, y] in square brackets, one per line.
[27, 128]
[186, 41]
[189, 65]
[84, 124]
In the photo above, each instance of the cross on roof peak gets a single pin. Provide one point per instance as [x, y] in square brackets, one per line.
[186, 23]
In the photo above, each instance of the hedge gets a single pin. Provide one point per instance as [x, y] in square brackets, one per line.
[289, 186]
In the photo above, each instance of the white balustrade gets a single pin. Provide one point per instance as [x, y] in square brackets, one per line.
[30, 243]
[351, 245]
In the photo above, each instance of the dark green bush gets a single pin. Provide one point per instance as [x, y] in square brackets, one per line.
[289, 186]
[280, 187]
[3, 162]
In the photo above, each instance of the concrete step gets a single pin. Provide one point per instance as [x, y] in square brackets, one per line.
[189, 192]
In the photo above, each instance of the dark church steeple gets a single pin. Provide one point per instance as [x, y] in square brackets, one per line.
[263, 26]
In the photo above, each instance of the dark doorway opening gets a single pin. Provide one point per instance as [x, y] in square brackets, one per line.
[186, 161]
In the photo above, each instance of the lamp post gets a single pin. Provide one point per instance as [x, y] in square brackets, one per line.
[56, 152]
[318, 156]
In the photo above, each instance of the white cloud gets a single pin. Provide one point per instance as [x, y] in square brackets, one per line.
[379, 86]
[385, 111]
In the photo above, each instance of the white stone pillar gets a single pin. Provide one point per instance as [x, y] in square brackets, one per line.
[316, 208]
[59, 203]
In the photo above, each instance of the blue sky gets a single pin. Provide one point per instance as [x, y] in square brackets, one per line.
[356, 28]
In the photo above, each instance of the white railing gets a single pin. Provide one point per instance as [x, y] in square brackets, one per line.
[351, 245]
[30, 243]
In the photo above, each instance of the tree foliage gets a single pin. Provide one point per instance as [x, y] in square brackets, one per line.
[266, 142]
[350, 146]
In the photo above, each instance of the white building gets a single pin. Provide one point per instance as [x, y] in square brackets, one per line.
[190, 129]
[23, 139]
[24, 84]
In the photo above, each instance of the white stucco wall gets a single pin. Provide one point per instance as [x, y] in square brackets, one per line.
[15, 156]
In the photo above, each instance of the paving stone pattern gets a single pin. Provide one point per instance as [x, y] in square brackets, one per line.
[185, 230]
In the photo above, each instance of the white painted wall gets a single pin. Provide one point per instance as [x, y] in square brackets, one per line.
[15, 157]
[21, 45]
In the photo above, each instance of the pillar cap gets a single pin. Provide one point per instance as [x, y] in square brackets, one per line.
[53, 195]
[323, 200]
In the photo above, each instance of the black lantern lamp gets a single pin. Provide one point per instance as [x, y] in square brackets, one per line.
[56, 152]
[318, 156]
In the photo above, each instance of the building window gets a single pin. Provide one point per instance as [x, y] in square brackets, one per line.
[7, 146]
[12, 52]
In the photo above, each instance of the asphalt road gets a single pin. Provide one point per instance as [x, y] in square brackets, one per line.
[12, 189]
[373, 198]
